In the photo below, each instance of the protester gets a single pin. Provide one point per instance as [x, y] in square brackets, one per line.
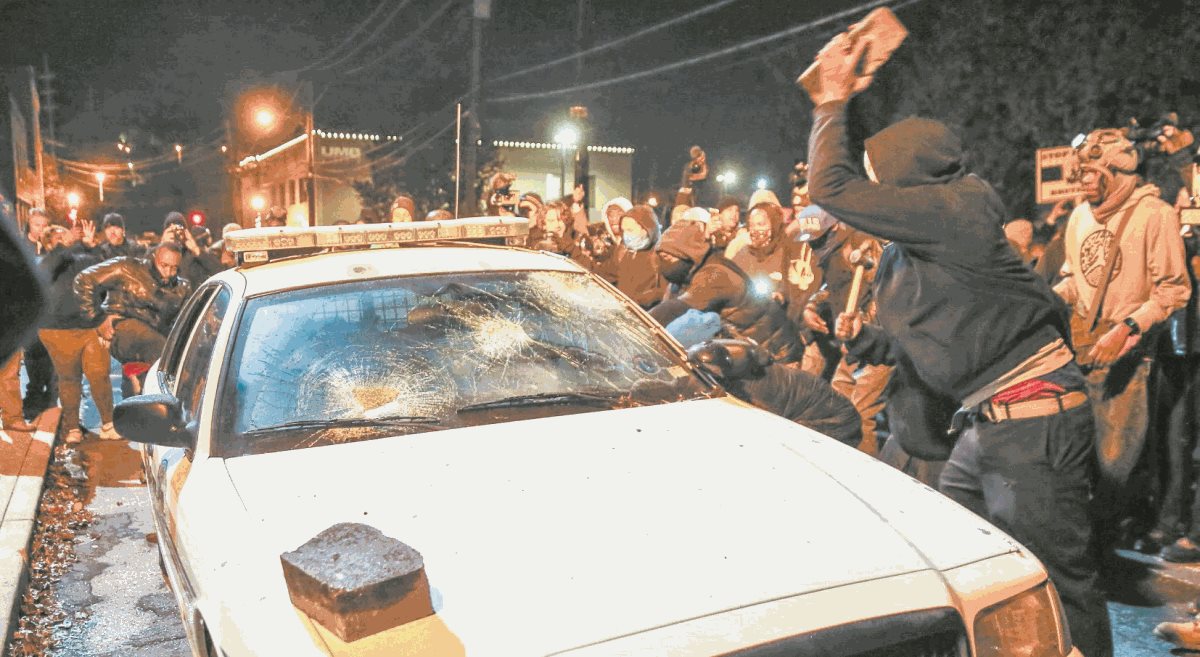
[1178, 396]
[636, 265]
[707, 281]
[601, 243]
[974, 324]
[1019, 233]
[141, 297]
[403, 210]
[115, 243]
[554, 232]
[784, 391]
[72, 341]
[20, 309]
[1125, 274]
[440, 214]
[41, 389]
[198, 263]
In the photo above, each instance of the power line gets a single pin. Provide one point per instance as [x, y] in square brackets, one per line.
[699, 59]
[406, 40]
[333, 52]
[370, 37]
[616, 42]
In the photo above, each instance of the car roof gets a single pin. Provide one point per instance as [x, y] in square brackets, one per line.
[312, 270]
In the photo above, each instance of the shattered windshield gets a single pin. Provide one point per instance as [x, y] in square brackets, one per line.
[354, 361]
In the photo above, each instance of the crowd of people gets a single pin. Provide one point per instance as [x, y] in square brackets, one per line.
[109, 297]
[1045, 375]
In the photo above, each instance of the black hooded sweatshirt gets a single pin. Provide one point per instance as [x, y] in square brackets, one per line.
[715, 284]
[951, 292]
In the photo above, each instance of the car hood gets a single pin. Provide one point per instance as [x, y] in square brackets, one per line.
[547, 534]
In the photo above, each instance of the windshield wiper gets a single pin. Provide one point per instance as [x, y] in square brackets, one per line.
[542, 399]
[393, 420]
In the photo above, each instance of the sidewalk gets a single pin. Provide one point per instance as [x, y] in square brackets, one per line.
[1147, 580]
[23, 461]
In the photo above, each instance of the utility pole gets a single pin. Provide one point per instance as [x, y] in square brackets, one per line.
[579, 113]
[470, 168]
[311, 154]
[48, 105]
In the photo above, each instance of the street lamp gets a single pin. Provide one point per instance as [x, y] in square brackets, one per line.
[100, 176]
[258, 204]
[73, 202]
[566, 137]
[179, 153]
[761, 184]
[264, 118]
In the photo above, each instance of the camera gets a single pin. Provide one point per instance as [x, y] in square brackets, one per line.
[597, 243]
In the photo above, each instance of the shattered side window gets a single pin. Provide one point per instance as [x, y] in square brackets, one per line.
[432, 347]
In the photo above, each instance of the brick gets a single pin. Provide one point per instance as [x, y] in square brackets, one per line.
[355, 581]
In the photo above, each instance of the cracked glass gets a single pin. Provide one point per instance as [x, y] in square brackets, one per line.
[360, 360]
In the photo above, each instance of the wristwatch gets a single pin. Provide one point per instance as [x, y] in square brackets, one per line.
[1134, 329]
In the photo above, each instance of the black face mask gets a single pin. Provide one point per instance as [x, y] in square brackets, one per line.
[673, 268]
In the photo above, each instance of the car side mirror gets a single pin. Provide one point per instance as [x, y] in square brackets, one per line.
[154, 420]
[730, 359]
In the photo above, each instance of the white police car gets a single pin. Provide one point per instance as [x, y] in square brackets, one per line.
[573, 485]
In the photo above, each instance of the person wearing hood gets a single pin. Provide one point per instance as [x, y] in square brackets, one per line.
[636, 265]
[601, 245]
[1148, 282]
[707, 281]
[974, 324]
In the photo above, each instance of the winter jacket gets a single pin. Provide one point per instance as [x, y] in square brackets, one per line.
[128, 249]
[601, 258]
[956, 298]
[715, 284]
[637, 271]
[1183, 326]
[1150, 280]
[133, 290]
[804, 399]
[60, 266]
[198, 268]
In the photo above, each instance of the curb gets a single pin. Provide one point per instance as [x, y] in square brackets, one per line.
[1155, 581]
[24, 459]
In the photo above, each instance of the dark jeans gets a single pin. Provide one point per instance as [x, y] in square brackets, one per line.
[135, 341]
[1031, 478]
[42, 388]
[1121, 405]
[1178, 393]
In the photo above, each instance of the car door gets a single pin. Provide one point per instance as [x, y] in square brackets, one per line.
[185, 369]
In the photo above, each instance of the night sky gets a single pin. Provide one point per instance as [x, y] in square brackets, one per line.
[1009, 77]
[165, 67]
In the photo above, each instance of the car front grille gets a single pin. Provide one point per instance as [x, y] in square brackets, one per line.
[926, 633]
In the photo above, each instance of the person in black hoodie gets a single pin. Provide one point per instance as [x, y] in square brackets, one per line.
[969, 320]
[707, 281]
[636, 265]
[74, 345]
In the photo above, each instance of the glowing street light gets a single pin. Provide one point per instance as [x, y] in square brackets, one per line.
[179, 153]
[100, 176]
[566, 135]
[73, 199]
[761, 184]
[258, 203]
[730, 177]
[264, 118]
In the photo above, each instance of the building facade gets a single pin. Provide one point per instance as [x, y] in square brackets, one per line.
[548, 169]
[280, 177]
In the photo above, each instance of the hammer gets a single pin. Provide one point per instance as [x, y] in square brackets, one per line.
[862, 261]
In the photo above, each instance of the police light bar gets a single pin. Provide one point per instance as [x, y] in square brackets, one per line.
[255, 245]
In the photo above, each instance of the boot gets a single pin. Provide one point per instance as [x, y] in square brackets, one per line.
[1185, 634]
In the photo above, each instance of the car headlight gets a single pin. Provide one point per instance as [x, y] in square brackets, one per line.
[1026, 625]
